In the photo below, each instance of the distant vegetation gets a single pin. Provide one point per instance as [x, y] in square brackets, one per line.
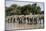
[22, 10]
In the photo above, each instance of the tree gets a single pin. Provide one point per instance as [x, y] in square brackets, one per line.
[18, 10]
[14, 9]
[23, 10]
[13, 5]
[35, 9]
[26, 9]
[38, 10]
[7, 11]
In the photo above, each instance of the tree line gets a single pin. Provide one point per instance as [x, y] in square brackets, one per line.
[22, 10]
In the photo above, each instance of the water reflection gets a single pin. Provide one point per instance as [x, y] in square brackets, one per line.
[10, 26]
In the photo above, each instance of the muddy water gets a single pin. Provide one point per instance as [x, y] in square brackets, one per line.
[12, 26]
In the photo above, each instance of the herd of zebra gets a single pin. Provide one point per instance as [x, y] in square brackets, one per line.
[23, 20]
